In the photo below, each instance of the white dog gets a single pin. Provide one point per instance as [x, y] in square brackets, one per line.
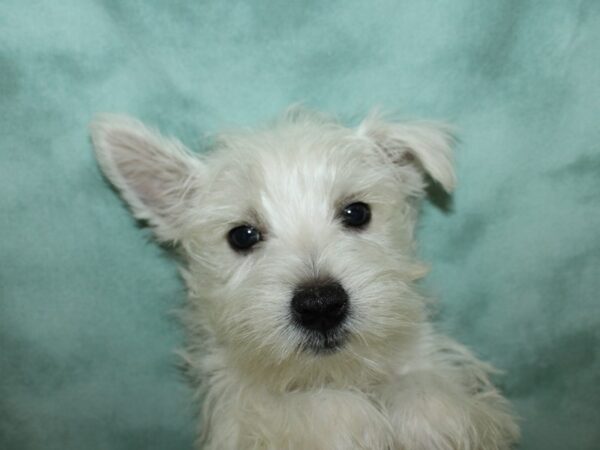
[305, 328]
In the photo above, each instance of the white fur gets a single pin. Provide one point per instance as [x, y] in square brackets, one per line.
[396, 383]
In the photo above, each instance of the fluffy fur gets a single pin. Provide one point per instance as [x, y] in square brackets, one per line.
[395, 383]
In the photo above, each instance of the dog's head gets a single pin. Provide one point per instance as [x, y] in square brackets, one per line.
[298, 237]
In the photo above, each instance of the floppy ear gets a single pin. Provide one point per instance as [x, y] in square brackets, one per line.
[156, 176]
[418, 148]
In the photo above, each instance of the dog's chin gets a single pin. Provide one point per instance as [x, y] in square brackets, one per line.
[323, 344]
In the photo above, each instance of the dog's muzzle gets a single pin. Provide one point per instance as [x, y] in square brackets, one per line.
[320, 306]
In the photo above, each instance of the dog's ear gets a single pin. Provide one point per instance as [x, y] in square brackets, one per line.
[415, 147]
[156, 176]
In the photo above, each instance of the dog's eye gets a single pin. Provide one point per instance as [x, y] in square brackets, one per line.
[243, 237]
[356, 215]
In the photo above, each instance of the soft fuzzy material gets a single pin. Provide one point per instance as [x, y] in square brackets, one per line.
[86, 335]
[374, 375]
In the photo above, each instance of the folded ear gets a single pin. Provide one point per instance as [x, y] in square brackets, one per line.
[417, 147]
[156, 176]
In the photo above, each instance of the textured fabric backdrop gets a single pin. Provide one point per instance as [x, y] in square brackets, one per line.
[86, 330]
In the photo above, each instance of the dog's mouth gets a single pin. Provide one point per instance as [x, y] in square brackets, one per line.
[325, 343]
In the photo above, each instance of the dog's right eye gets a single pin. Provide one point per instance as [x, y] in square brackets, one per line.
[242, 238]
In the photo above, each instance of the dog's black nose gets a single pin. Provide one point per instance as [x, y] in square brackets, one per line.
[320, 306]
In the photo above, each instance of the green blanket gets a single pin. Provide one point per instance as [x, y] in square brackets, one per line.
[87, 334]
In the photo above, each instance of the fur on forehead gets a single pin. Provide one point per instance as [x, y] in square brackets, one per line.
[306, 159]
[304, 151]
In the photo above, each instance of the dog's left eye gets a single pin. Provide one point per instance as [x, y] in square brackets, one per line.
[356, 215]
[242, 238]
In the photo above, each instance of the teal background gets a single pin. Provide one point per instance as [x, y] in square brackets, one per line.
[86, 330]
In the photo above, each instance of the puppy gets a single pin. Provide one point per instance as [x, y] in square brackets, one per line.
[305, 328]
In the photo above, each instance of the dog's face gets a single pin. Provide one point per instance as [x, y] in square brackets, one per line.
[299, 238]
